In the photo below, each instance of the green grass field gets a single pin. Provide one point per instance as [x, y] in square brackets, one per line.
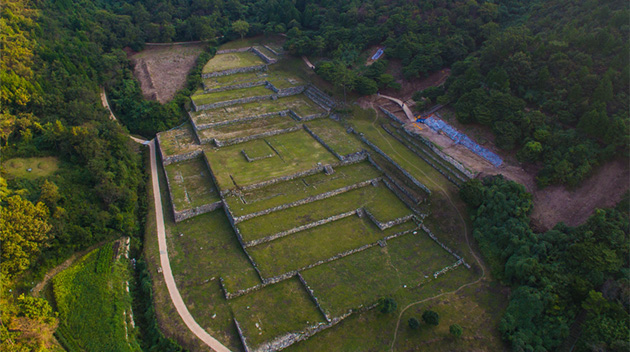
[205, 247]
[333, 134]
[274, 311]
[39, 167]
[229, 61]
[300, 104]
[249, 128]
[298, 151]
[179, 140]
[306, 247]
[361, 279]
[94, 305]
[380, 201]
[201, 98]
[290, 191]
[274, 74]
[191, 184]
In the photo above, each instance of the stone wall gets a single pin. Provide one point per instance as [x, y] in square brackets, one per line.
[321, 99]
[232, 102]
[242, 336]
[285, 92]
[234, 86]
[234, 70]
[251, 160]
[313, 297]
[400, 168]
[457, 179]
[237, 50]
[273, 51]
[321, 141]
[448, 268]
[189, 213]
[223, 143]
[176, 158]
[456, 164]
[446, 248]
[385, 225]
[300, 228]
[306, 200]
[243, 119]
[264, 57]
[389, 114]
[290, 274]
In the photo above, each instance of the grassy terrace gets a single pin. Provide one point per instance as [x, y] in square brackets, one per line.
[278, 77]
[303, 248]
[297, 151]
[248, 128]
[177, 141]
[191, 184]
[201, 98]
[232, 60]
[267, 52]
[380, 201]
[300, 104]
[362, 278]
[274, 311]
[290, 191]
[205, 247]
[336, 136]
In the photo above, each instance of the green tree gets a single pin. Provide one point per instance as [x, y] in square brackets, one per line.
[430, 317]
[414, 324]
[388, 305]
[24, 232]
[456, 330]
[241, 27]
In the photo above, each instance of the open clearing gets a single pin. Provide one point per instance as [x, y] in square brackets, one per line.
[316, 226]
[31, 168]
[162, 70]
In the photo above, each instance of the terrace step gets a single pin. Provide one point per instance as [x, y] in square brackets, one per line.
[320, 98]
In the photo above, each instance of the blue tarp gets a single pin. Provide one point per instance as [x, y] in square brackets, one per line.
[378, 54]
[460, 138]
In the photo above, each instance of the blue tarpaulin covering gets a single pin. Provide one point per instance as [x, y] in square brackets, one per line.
[378, 54]
[460, 138]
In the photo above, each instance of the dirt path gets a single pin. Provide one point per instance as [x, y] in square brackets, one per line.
[308, 63]
[105, 103]
[461, 218]
[176, 297]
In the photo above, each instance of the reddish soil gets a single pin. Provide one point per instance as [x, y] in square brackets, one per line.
[162, 70]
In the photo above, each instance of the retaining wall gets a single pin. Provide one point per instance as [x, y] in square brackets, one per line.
[232, 102]
[300, 228]
[176, 158]
[234, 70]
[234, 86]
[385, 225]
[400, 168]
[241, 120]
[456, 164]
[321, 141]
[251, 160]
[223, 143]
[389, 114]
[458, 179]
[273, 51]
[237, 50]
[306, 200]
[313, 297]
[242, 336]
[446, 248]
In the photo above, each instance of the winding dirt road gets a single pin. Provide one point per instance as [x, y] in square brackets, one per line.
[176, 297]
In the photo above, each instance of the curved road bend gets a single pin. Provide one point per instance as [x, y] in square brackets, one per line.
[400, 103]
[176, 297]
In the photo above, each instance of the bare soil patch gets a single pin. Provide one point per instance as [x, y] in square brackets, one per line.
[162, 70]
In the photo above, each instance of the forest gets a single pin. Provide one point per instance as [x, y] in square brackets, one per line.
[549, 78]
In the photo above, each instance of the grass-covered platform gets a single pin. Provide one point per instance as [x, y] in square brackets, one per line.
[299, 104]
[177, 141]
[222, 62]
[191, 184]
[295, 152]
[202, 98]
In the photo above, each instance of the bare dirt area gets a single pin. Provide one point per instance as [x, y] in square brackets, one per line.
[162, 69]
[603, 189]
